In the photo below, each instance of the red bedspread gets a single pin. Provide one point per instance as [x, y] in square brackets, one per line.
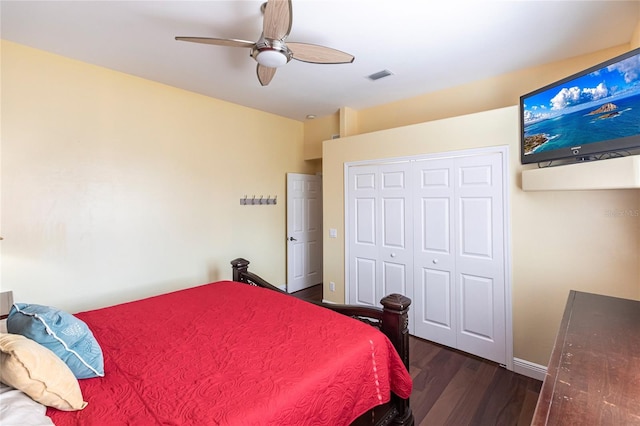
[232, 354]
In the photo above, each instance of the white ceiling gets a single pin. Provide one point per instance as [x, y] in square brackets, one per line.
[427, 45]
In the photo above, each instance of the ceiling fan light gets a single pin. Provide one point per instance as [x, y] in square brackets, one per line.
[271, 58]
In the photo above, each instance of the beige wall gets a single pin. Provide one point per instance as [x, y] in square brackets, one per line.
[115, 187]
[560, 240]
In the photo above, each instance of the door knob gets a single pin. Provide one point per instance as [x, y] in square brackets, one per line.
[435, 261]
[292, 239]
[393, 255]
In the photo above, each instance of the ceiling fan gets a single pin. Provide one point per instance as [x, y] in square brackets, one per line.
[271, 51]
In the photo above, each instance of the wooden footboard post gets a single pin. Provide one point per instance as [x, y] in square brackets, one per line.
[240, 267]
[395, 324]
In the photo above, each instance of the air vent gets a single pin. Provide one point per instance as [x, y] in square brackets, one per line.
[380, 74]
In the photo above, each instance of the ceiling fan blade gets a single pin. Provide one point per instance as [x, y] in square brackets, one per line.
[277, 19]
[265, 74]
[316, 54]
[218, 41]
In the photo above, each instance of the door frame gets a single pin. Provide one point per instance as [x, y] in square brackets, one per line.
[506, 190]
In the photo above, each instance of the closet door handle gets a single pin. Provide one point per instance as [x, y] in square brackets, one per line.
[435, 261]
[292, 239]
[393, 255]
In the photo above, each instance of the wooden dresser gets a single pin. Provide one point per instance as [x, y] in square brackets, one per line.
[593, 376]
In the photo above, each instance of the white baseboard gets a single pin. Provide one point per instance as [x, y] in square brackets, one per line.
[282, 287]
[529, 369]
[328, 301]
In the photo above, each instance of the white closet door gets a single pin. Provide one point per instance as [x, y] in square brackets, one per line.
[396, 230]
[480, 266]
[434, 258]
[434, 229]
[363, 238]
[379, 240]
[459, 254]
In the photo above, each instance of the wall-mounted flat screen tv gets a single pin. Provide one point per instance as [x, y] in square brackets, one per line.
[586, 116]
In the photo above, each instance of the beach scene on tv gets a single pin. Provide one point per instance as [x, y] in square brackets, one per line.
[599, 106]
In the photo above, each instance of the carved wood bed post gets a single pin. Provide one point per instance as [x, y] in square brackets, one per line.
[240, 266]
[395, 324]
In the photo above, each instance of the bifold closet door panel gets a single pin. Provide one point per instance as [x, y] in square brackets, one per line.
[380, 243]
[396, 229]
[479, 259]
[363, 184]
[434, 257]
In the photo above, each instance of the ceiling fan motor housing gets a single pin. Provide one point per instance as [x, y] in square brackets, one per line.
[271, 53]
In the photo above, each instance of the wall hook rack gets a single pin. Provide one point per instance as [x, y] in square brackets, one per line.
[254, 201]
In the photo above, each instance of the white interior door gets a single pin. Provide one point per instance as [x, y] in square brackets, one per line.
[304, 231]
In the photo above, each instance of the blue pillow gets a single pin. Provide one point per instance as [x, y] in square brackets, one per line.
[65, 335]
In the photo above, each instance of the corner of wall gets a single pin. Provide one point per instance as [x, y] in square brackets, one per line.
[318, 130]
[348, 122]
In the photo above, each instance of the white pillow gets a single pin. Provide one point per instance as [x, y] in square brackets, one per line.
[17, 409]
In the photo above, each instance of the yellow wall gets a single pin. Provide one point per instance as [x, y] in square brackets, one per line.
[115, 187]
[560, 240]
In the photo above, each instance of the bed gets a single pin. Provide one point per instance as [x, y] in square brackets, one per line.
[243, 352]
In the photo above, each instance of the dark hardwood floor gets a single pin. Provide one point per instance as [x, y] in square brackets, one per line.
[313, 293]
[454, 388]
[451, 387]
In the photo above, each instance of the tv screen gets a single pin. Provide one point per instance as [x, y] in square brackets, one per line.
[585, 115]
